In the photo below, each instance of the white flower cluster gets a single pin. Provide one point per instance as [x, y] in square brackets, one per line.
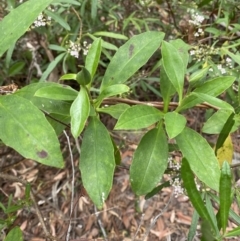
[86, 47]
[197, 18]
[42, 19]
[173, 164]
[177, 187]
[74, 48]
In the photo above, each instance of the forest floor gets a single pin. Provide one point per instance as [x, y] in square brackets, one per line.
[125, 217]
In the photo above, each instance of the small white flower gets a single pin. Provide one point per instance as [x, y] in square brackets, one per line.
[192, 52]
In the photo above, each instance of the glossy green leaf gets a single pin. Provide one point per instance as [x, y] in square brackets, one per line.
[83, 77]
[175, 123]
[137, 117]
[174, 66]
[149, 162]
[200, 156]
[112, 91]
[192, 192]
[110, 35]
[130, 57]
[216, 102]
[68, 77]
[212, 87]
[55, 16]
[93, 56]
[14, 25]
[115, 110]
[79, 112]
[97, 161]
[51, 66]
[34, 137]
[47, 105]
[216, 122]
[14, 234]
[57, 92]
[225, 194]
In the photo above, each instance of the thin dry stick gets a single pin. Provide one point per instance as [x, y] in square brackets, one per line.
[100, 224]
[73, 179]
[39, 214]
[140, 224]
[157, 217]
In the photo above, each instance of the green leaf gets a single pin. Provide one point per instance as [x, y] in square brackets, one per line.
[225, 132]
[198, 75]
[79, 112]
[93, 56]
[174, 67]
[216, 102]
[58, 122]
[175, 123]
[200, 156]
[25, 128]
[131, 57]
[97, 161]
[110, 35]
[51, 66]
[216, 122]
[166, 87]
[208, 204]
[225, 194]
[115, 110]
[83, 77]
[73, 2]
[14, 234]
[149, 162]
[56, 47]
[49, 106]
[57, 92]
[16, 68]
[192, 192]
[234, 232]
[212, 87]
[111, 91]
[18, 21]
[193, 227]
[182, 49]
[137, 117]
[55, 16]
[69, 77]
[157, 189]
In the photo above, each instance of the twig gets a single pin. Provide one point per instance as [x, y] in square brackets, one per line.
[158, 216]
[139, 226]
[100, 223]
[156, 104]
[73, 179]
[80, 22]
[39, 214]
